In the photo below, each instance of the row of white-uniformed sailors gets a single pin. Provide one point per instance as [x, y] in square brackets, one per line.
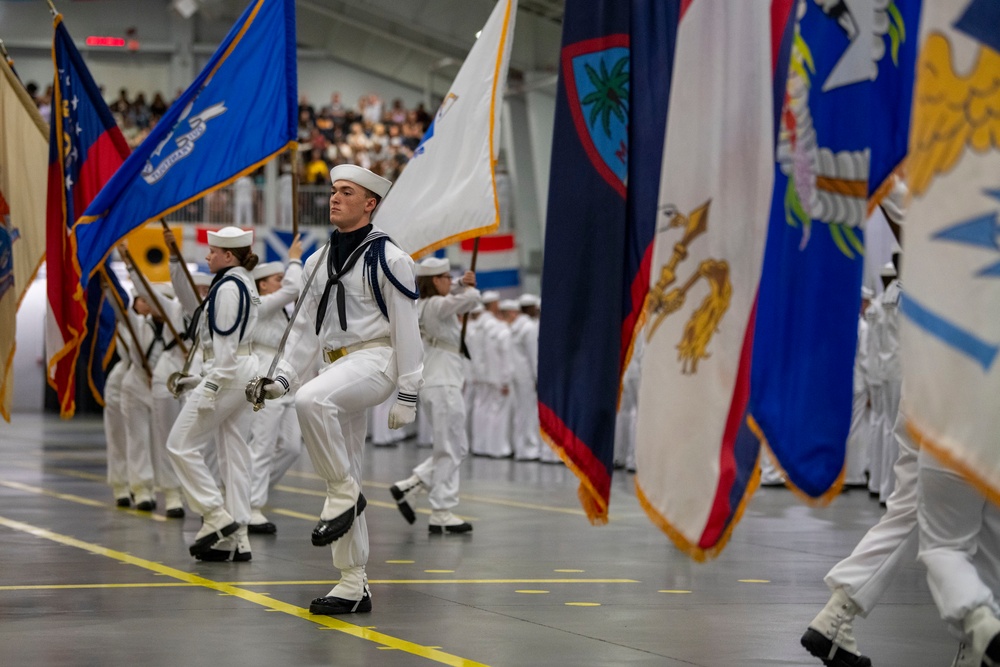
[363, 335]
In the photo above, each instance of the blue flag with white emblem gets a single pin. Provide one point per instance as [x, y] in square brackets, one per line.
[239, 113]
[841, 135]
[950, 331]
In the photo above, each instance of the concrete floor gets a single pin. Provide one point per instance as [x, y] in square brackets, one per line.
[85, 583]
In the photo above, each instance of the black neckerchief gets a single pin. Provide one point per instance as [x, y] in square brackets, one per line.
[345, 249]
[343, 244]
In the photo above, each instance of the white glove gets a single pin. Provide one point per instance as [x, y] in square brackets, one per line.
[276, 389]
[403, 411]
[206, 402]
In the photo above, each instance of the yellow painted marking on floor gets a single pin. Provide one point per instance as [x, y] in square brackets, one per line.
[531, 591]
[250, 596]
[322, 582]
[294, 514]
[673, 591]
[464, 496]
[79, 500]
[583, 604]
[755, 581]
[400, 562]
[69, 472]
[439, 571]
[569, 570]
[322, 494]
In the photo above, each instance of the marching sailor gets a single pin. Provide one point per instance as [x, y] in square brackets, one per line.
[216, 409]
[363, 310]
[444, 375]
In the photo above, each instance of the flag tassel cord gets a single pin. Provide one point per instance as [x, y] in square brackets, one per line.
[465, 316]
[127, 258]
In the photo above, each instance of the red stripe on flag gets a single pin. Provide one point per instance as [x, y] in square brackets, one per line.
[722, 511]
[492, 243]
[590, 470]
[640, 287]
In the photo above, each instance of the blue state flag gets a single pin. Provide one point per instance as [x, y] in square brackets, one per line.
[239, 113]
[843, 132]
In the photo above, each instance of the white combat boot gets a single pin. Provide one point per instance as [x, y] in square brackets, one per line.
[830, 636]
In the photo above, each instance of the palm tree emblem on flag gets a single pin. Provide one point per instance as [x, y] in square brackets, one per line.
[660, 304]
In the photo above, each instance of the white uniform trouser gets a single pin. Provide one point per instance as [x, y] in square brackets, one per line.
[275, 444]
[480, 419]
[769, 473]
[959, 534]
[525, 420]
[891, 391]
[137, 404]
[114, 430]
[440, 471]
[856, 460]
[227, 422]
[875, 446]
[889, 544]
[165, 412]
[425, 432]
[496, 438]
[332, 413]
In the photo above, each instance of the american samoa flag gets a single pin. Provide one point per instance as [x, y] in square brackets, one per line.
[85, 149]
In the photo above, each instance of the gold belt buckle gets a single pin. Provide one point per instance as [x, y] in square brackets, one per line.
[333, 355]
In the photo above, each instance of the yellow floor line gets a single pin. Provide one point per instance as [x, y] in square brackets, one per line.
[255, 598]
[80, 500]
[322, 582]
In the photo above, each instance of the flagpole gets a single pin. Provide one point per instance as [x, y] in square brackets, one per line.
[127, 258]
[6, 55]
[117, 306]
[465, 317]
[294, 155]
[52, 8]
[176, 252]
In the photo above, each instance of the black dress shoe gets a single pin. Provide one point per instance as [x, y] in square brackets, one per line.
[332, 606]
[175, 513]
[332, 530]
[820, 646]
[123, 502]
[464, 527]
[267, 528]
[203, 544]
[146, 506]
[404, 507]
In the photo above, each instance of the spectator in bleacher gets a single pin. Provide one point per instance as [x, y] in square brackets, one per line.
[412, 130]
[396, 114]
[317, 171]
[158, 106]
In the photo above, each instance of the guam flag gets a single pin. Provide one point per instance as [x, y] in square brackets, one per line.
[614, 84]
[85, 148]
[239, 112]
[849, 82]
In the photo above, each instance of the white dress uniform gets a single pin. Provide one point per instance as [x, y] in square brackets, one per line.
[137, 403]
[859, 581]
[892, 375]
[114, 425]
[495, 437]
[243, 191]
[875, 319]
[444, 375]
[524, 349]
[275, 439]
[860, 434]
[165, 407]
[217, 408]
[960, 545]
[477, 392]
[366, 357]
[628, 411]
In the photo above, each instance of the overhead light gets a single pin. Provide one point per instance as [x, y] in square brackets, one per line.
[186, 8]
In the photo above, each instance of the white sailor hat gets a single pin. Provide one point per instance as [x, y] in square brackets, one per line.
[527, 300]
[510, 304]
[202, 279]
[867, 293]
[267, 269]
[230, 237]
[888, 271]
[361, 176]
[489, 296]
[478, 309]
[433, 266]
